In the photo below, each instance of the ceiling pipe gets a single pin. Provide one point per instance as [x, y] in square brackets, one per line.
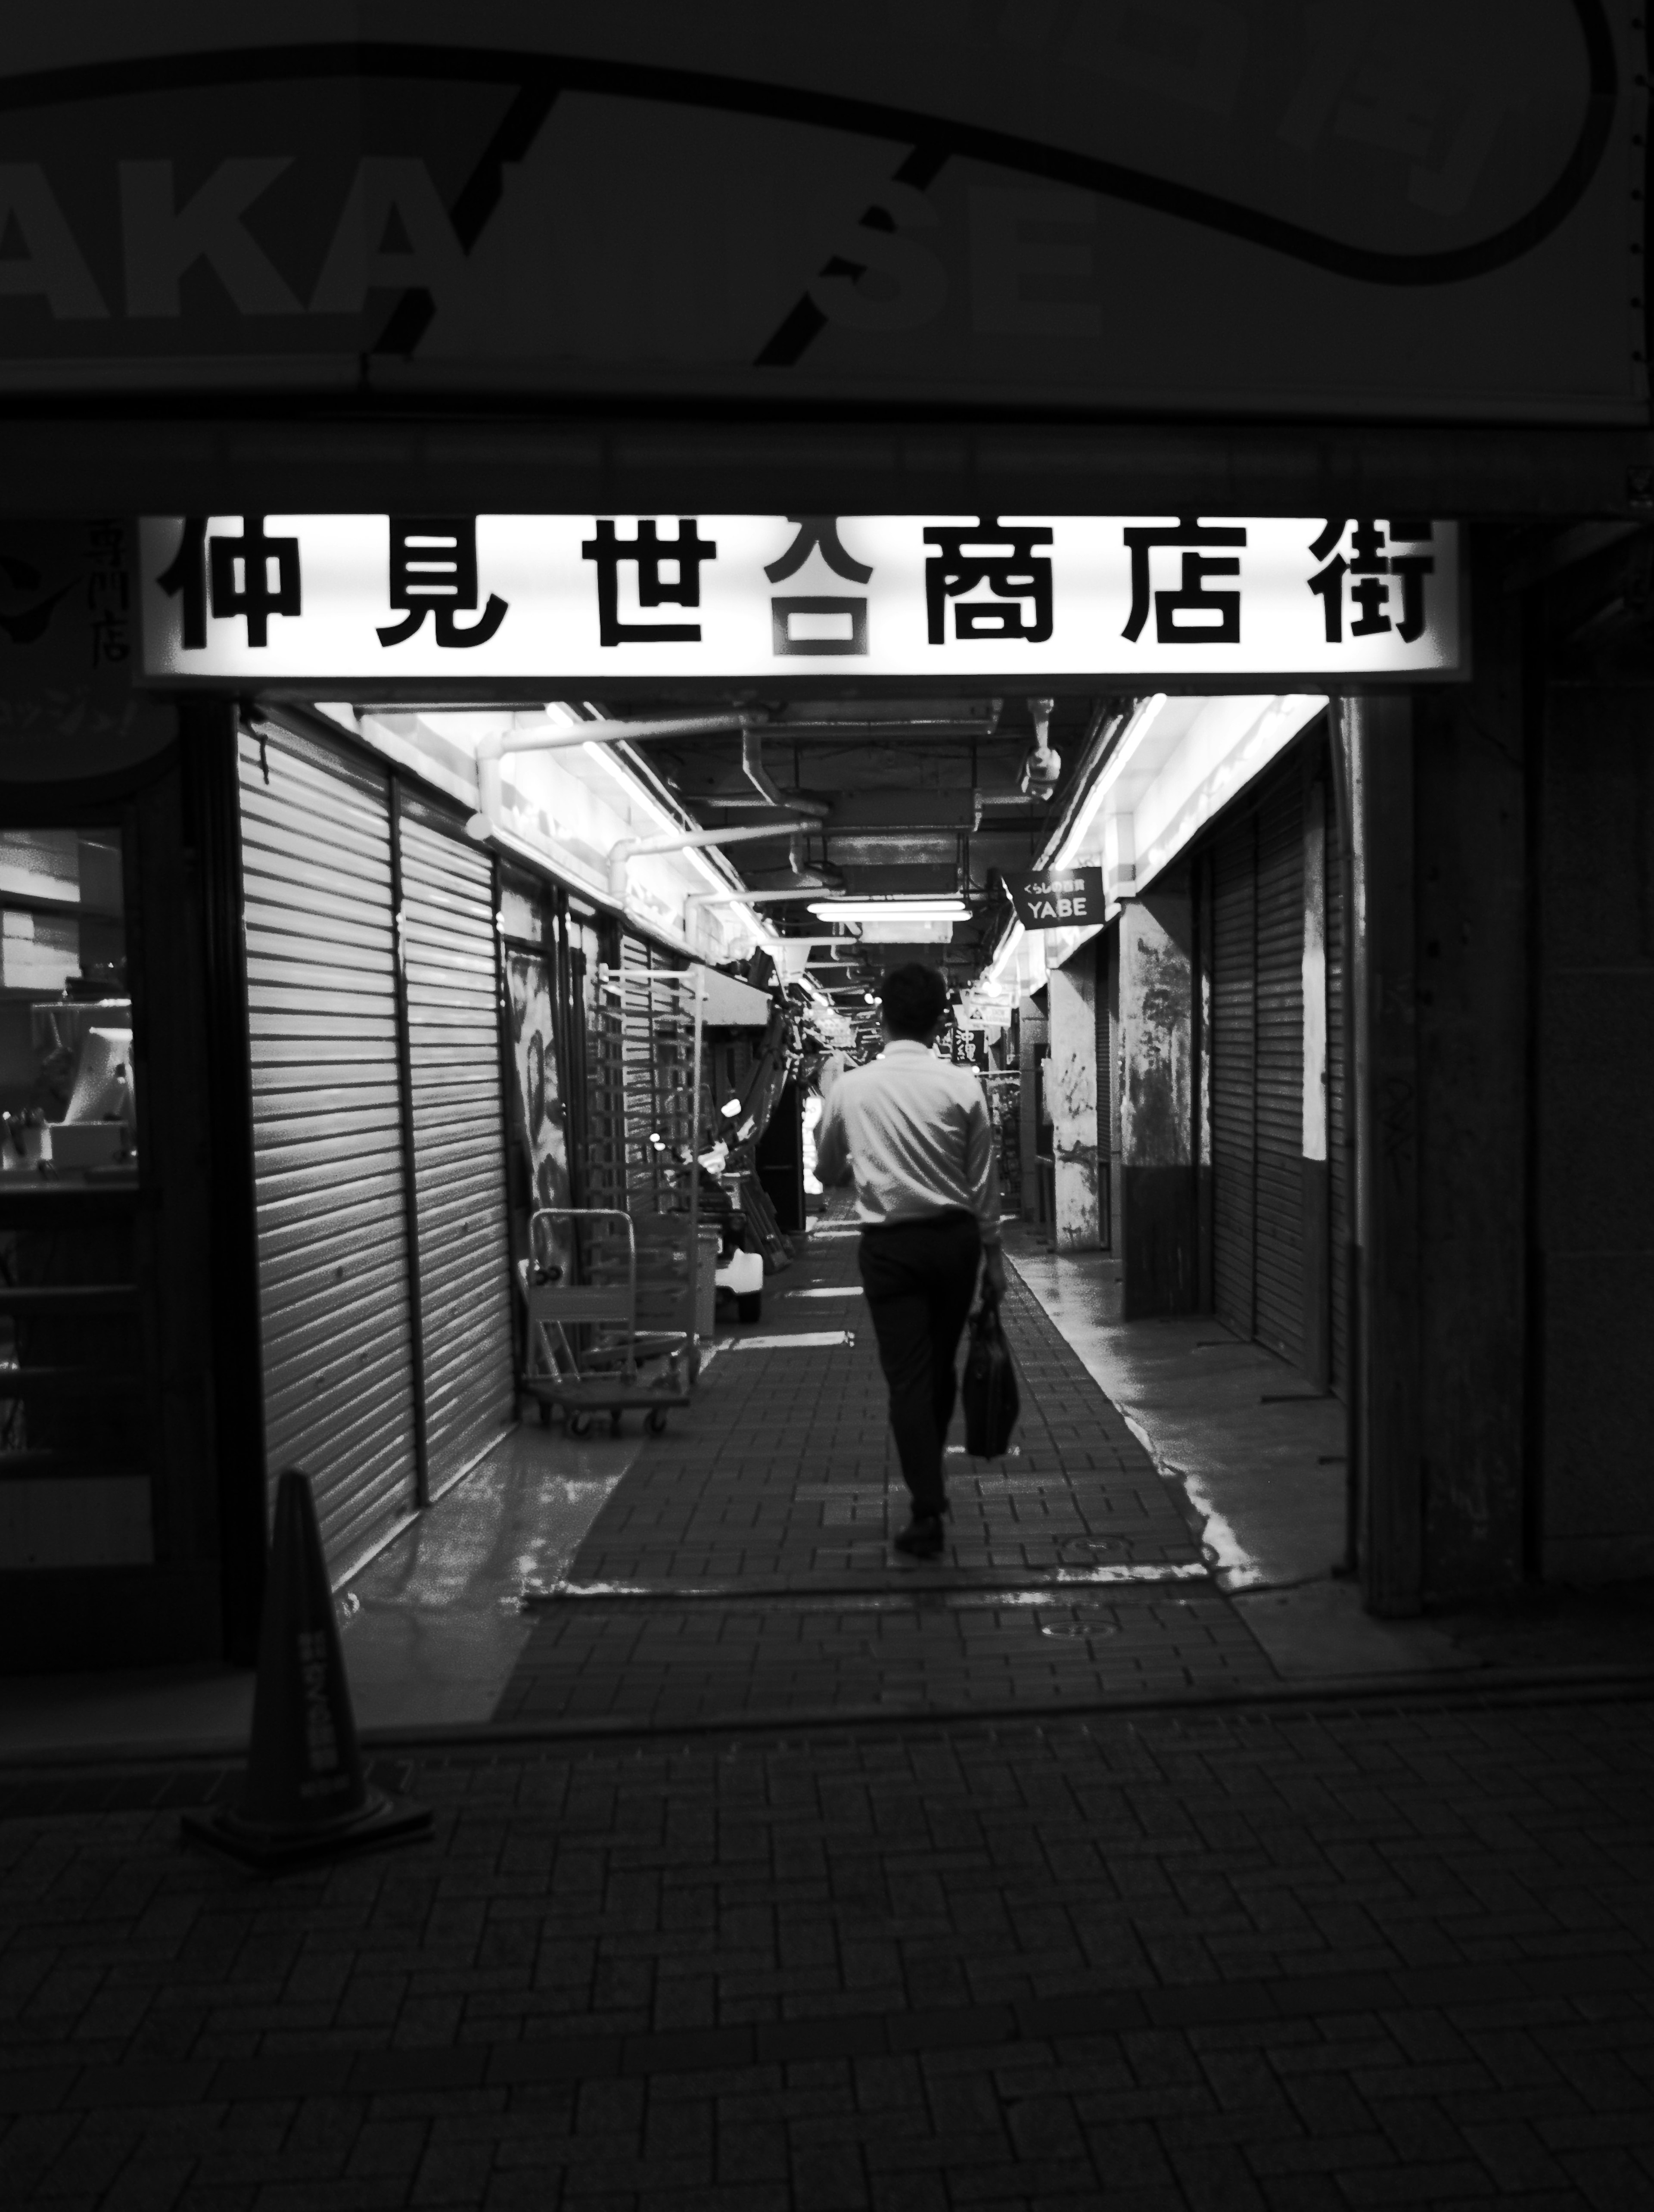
[683, 840]
[492, 748]
[764, 898]
[765, 791]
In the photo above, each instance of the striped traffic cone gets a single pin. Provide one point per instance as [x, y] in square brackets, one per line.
[307, 1797]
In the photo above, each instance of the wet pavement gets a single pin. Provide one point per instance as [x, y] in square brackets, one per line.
[1161, 1531]
[434, 1627]
[1260, 1457]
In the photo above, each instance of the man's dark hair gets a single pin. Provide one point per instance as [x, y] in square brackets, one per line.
[914, 998]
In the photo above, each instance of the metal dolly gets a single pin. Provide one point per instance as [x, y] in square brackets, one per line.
[606, 1379]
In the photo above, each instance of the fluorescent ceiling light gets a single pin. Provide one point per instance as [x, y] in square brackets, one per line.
[1148, 712]
[637, 792]
[892, 909]
[1014, 936]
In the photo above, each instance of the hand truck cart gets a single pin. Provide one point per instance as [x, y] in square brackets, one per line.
[599, 1374]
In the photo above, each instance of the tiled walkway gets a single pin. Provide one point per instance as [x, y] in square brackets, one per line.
[742, 1568]
[1272, 1962]
[781, 1476]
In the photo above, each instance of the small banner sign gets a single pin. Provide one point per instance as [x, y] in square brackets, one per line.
[1059, 898]
[1111, 600]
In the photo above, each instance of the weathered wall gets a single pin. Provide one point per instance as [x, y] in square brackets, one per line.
[1471, 966]
[1033, 1030]
[1594, 1130]
[1073, 1078]
[1157, 1178]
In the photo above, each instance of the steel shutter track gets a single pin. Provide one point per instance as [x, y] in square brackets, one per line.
[1280, 1219]
[1338, 1128]
[449, 949]
[335, 1313]
[1234, 887]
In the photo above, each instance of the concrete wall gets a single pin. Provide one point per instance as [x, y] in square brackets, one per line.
[1157, 1177]
[1471, 970]
[1033, 1030]
[1595, 1126]
[1074, 1094]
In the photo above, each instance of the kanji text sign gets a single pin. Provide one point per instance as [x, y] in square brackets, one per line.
[373, 598]
[1060, 898]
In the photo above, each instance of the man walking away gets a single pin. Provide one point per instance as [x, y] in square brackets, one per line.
[913, 1132]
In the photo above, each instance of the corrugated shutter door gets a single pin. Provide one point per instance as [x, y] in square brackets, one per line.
[334, 1304]
[449, 949]
[1103, 953]
[1233, 1067]
[1280, 1217]
[1338, 1158]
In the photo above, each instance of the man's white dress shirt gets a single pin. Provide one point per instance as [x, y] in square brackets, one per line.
[915, 1132]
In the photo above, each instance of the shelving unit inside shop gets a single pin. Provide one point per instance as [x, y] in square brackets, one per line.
[646, 1115]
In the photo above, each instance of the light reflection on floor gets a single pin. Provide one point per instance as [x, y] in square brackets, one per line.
[433, 1627]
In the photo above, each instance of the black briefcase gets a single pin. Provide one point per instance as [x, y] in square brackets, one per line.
[991, 1398]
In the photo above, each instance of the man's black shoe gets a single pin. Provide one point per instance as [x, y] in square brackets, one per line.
[922, 1537]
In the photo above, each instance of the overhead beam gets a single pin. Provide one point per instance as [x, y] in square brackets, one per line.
[72, 460]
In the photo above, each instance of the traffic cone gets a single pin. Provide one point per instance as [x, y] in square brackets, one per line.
[307, 1797]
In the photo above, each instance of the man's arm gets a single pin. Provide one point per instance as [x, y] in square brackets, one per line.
[832, 1145]
[982, 1179]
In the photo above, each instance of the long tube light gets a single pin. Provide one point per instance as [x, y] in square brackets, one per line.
[892, 909]
[1078, 828]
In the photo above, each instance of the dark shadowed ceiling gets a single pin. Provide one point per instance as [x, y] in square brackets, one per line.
[905, 796]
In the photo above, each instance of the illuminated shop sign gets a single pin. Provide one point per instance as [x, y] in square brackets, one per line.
[1059, 898]
[1202, 600]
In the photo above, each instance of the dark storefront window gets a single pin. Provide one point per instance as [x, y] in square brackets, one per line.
[73, 1481]
[67, 1090]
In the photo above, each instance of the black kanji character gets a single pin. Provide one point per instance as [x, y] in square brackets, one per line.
[186, 577]
[819, 533]
[1192, 599]
[653, 556]
[434, 571]
[1370, 565]
[252, 575]
[1412, 569]
[1001, 556]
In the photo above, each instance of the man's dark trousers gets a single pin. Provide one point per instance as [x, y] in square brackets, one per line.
[920, 1278]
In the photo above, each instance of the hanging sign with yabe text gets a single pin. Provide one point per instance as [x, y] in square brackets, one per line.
[1059, 898]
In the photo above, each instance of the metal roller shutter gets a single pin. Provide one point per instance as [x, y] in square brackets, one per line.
[450, 957]
[1234, 886]
[1338, 1128]
[333, 1277]
[1107, 1083]
[1279, 1262]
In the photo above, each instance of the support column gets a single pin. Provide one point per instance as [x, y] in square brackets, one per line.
[1157, 1131]
[1379, 737]
[1032, 1030]
[212, 861]
[1073, 1089]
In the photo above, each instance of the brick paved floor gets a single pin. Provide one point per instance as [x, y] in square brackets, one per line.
[942, 1651]
[1287, 1961]
[781, 1476]
[743, 1570]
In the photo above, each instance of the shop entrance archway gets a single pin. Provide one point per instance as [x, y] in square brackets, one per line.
[705, 681]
